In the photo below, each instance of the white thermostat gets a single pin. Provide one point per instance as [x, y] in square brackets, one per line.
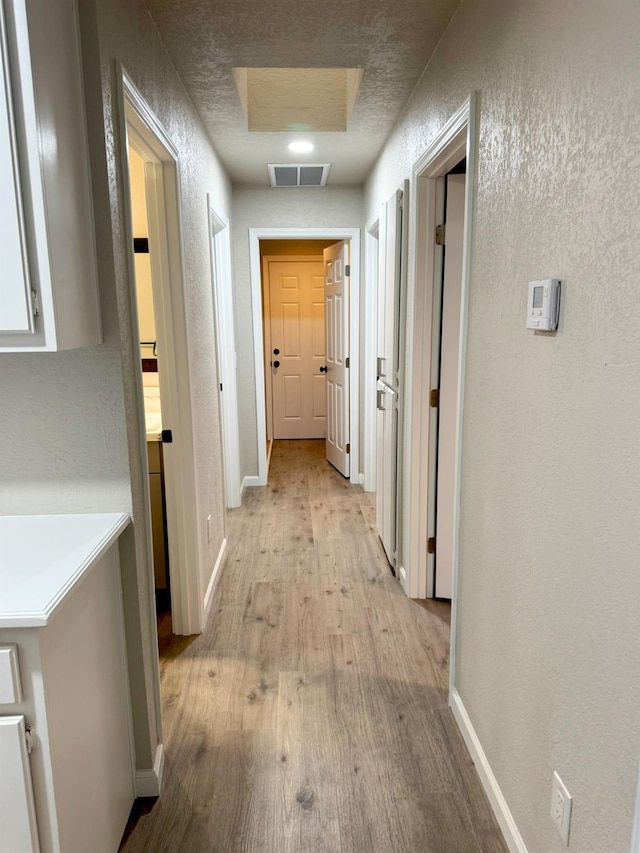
[543, 308]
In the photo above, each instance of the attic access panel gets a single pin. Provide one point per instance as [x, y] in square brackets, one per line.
[298, 175]
[297, 99]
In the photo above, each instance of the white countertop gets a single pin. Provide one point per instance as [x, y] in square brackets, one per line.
[43, 557]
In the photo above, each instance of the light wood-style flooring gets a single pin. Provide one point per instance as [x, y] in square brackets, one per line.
[311, 715]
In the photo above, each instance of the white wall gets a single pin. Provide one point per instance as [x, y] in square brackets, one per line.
[326, 207]
[548, 639]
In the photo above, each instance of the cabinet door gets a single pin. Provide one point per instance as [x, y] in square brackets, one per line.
[17, 811]
[15, 297]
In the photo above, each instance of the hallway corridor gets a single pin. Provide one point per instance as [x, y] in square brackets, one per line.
[311, 715]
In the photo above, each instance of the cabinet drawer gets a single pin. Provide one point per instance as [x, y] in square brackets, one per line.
[10, 689]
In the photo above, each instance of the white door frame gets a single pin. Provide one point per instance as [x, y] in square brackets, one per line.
[162, 178]
[457, 139]
[220, 242]
[353, 236]
[372, 282]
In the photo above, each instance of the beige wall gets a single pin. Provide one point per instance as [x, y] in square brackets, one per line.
[274, 208]
[70, 420]
[548, 639]
[124, 32]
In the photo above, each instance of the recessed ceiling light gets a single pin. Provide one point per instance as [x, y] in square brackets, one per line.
[301, 147]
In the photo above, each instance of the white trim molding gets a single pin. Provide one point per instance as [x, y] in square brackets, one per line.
[250, 481]
[353, 236]
[456, 140]
[149, 782]
[220, 246]
[489, 782]
[213, 580]
[371, 284]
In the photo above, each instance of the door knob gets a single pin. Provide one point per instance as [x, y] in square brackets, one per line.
[276, 364]
[323, 369]
[276, 351]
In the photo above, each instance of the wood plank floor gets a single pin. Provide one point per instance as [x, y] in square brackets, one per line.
[311, 715]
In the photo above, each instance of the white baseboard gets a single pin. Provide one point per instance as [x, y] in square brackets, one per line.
[251, 480]
[489, 782]
[213, 580]
[635, 841]
[149, 782]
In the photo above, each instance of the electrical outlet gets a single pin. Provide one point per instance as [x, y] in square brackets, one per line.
[208, 528]
[561, 808]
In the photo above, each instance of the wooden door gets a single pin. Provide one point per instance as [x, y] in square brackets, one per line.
[296, 306]
[448, 398]
[336, 307]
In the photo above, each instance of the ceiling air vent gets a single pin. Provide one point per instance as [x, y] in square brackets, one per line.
[307, 175]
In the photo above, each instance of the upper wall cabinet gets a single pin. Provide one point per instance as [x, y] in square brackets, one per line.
[48, 275]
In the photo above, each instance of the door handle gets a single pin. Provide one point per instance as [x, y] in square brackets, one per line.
[276, 364]
[380, 401]
[323, 369]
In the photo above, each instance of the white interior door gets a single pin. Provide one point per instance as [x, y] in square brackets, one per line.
[388, 363]
[449, 360]
[17, 810]
[336, 312]
[298, 374]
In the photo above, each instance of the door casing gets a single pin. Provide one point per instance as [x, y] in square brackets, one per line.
[457, 139]
[140, 125]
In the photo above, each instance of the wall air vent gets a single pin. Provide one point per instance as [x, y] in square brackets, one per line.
[291, 175]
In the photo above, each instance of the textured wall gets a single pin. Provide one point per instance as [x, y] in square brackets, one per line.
[69, 420]
[125, 33]
[548, 640]
[274, 208]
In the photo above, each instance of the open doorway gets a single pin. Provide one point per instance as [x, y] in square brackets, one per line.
[340, 321]
[148, 338]
[293, 323]
[305, 308]
[446, 334]
[163, 383]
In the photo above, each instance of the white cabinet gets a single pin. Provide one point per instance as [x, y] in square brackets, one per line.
[61, 614]
[48, 273]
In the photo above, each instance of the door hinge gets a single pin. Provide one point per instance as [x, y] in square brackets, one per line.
[440, 235]
[348, 448]
[347, 270]
[35, 305]
[347, 362]
[434, 398]
[30, 739]
[221, 386]
[431, 545]
[166, 436]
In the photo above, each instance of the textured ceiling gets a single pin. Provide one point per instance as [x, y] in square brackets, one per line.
[391, 41]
